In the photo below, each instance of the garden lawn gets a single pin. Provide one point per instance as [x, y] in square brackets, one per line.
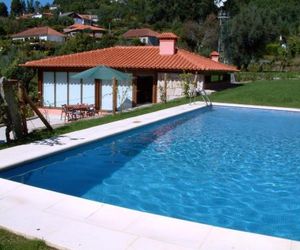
[280, 93]
[10, 241]
[83, 124]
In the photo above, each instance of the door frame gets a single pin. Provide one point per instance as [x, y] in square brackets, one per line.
[134, 86]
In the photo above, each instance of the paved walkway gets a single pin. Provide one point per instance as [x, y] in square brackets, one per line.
[69, 222]
[35, 123]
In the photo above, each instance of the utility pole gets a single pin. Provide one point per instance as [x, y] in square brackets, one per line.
[223, 17]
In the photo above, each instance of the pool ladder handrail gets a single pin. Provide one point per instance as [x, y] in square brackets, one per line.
[205, 97]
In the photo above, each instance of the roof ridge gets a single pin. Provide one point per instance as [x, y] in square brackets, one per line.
[64, 56]
[136, 46]
[41, 30]
[206, 58]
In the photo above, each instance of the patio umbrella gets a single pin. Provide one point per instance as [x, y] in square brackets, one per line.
[103, 73]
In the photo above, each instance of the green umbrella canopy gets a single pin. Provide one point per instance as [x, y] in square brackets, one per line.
[103, 73]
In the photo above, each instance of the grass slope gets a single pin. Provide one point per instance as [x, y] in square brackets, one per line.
[10, 241]
[280, 93]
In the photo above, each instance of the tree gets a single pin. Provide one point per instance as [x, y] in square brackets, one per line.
[37, 6]
[3, 10]
[23, 6]
[30, 6]
[16, 8]
[201, 37]
[83, 42]
[184, 10]
[248, 34]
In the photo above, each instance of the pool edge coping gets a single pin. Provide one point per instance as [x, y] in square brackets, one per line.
[256, 107]
[14, 192]
[190, 108]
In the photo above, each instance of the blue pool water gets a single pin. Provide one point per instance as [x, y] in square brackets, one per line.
[231, 167]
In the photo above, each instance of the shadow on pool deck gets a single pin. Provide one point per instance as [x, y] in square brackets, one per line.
[56, 140]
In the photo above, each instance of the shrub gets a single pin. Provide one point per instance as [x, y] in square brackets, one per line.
[254, 76]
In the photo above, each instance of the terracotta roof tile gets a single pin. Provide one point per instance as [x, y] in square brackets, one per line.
[38, 31]
[87, 17]
[76, 27]
[167, 35]
[140, 33]
[133, 57]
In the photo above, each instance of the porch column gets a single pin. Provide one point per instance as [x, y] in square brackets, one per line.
[115, 95]
[98, 95]
[134, 91]
[40, 88]
[165, 86]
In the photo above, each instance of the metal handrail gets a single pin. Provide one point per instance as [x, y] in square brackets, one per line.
[205, 97]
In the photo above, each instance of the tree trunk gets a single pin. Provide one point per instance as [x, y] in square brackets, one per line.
[9, 96]
[35, 109]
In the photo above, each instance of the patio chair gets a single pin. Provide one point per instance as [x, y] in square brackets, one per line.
[68, 113]
[63, 111]
[91, 110]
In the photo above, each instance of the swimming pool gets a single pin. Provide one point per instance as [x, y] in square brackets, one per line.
[230, 167]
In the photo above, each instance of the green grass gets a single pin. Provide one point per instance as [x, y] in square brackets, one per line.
[10, 241]
[255, 76]
[280, 93]
[82, 124]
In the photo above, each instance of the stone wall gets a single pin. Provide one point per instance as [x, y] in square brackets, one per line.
[174, 85]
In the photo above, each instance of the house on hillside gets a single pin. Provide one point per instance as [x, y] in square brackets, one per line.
[54, 7]
[94, 31]
[81, 18]
[146, 36]
[35, 16]
[39, 33]
[152, 67]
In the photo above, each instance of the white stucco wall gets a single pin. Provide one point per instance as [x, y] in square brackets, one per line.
[124, 95]
[74, 89]
[174, 85]
[59, 39]
[43, 38]
[82, 91]
[48, 89]
[88, 91]
[78, 20]
[144, 39]
[106, 103]
[61, 88]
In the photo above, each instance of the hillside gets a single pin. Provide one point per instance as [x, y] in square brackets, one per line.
[258, 35]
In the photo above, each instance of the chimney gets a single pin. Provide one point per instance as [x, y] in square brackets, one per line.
[214, 56]
[167, 44]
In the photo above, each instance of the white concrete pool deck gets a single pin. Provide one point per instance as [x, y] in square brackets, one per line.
[68, 222]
